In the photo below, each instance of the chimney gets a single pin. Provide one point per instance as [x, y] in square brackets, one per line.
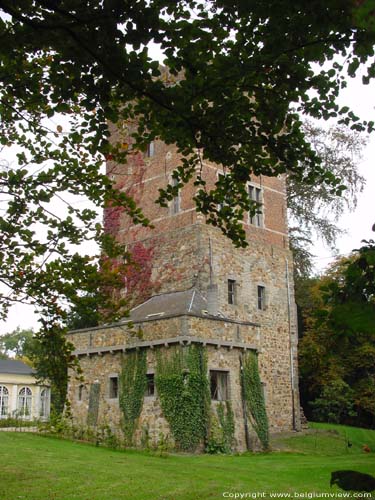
[212, 300]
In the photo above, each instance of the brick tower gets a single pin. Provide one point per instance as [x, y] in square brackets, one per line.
[201, 290]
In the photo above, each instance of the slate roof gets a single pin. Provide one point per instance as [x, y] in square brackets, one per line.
[15, 367]
[171, 304]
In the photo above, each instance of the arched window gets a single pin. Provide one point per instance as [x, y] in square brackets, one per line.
[24, 402]
[4, 398]
[44, 399]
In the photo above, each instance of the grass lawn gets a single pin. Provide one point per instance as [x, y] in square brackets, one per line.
[33, 467]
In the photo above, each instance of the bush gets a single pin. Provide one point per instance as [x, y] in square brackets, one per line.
[335, 403]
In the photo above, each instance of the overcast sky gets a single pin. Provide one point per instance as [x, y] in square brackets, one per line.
[357, 224]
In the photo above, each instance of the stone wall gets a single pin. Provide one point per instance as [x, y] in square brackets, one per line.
[98, 369]
[227, 335]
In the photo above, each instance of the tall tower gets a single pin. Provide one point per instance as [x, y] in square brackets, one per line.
[204, 290]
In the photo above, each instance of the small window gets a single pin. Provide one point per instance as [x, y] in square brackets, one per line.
[219, 385]
[231, 292]
[150, 149]
[113, 387]
[150, 387]
[81, 392]
[261, 297]
[255, 194]
[175, 206]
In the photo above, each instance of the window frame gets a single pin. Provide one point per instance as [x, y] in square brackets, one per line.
[256, 194]
[223, 392]
[44, 400]
[231, 291]
[25, 402]
[261, 297]
[4, 401]
[150, 375]
[113, 387]
[150, 151]
[175, 206]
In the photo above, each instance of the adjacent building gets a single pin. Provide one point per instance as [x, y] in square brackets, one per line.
[20, 394]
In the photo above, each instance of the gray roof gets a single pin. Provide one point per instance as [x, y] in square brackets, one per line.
[171, 304]
[15, 367]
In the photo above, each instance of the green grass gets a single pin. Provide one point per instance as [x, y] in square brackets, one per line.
[40, 468]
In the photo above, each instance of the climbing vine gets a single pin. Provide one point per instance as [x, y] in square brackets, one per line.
[226, 419]
[93, 410]
[182, 385]
[132, 389]
[221, 435]
[254, 398]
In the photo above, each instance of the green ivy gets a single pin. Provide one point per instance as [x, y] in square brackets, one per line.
[221, 436]
[133, 383]
[94, 396]
[226, 419]
[254, 398]
[183, 389]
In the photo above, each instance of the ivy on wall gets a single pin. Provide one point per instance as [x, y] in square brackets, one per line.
[183, 388]
[133, 383]
[254, 397]
[226, 419]
[93, 411]
[221, 435]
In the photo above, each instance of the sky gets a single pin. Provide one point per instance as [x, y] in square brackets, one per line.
[357, 224]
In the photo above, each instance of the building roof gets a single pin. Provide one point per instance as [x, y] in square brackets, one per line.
[171, 304]
[15, 367]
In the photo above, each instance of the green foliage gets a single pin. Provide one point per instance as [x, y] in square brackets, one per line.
[133, 383]
[221, 435]
[63, 427]
[183, 390]
[51, 358]
[94, 399]
[16, 422]
[254, 398]
[19, 342]
[335, 404]
[247, 74]
[337, 350]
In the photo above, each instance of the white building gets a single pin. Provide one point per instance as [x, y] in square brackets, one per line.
[20, 395]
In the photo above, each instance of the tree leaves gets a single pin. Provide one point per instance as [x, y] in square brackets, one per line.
[237, 74]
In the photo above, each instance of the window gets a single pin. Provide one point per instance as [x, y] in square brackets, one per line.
[150, 387]
[219, 385]
[113, 387]
[24, 402]
[261, 297]
[231, 292]
[81, 392]
[150, 149]
[255, 194]
[175, 206]
[44, 399]
[4, 398]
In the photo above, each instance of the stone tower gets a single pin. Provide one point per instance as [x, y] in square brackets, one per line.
[202, 290]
